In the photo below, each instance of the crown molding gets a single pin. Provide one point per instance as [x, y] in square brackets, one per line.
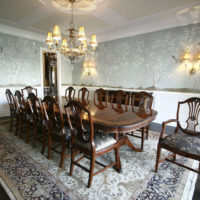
[181, 16]
[21, 33]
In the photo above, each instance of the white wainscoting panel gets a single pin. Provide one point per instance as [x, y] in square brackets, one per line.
[4, 108]
[164, 102]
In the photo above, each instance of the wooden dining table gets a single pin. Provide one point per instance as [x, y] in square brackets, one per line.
[117, 120]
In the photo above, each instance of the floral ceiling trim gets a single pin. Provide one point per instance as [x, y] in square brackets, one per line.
[80, 6]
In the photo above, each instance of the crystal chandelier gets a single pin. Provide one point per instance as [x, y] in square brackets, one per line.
[75, 45]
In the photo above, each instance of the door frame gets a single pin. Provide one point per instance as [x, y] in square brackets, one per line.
[59, 77]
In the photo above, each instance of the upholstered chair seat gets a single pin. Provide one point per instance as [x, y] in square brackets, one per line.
[183, 142]
[101, 141]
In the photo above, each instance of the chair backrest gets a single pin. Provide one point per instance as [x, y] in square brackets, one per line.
[53, 114]
[20, 103]
[83, 93]
[11, 101]
[190, 106]
[142, 99]
[27, 90]
[36, 107]
[119, 99]
[69, 93]
[100, 98]
[82, 126]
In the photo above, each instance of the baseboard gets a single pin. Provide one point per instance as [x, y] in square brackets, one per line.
[4, 118]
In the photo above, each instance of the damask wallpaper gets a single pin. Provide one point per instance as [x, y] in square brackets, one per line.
[145, 61]
[20, 62]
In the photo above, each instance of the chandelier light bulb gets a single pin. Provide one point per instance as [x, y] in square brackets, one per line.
[81, 34]
[49, 39]
[56, 33]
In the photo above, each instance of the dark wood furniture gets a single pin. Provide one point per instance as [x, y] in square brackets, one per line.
[119, 101]
[185, 141]
[57, 131]
[13, 108]
[83, 95]
[39, 123]
[27, 90]
[100, 98]
[87, 142]
[111, 121]
[24, 119]
[70, 93]
[143, 100]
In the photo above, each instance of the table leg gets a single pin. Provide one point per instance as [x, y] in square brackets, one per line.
[124, 140]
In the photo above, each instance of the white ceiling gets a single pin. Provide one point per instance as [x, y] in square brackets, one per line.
[109, 19]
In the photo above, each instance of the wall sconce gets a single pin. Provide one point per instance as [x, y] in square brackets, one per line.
[191, 61]
[88, 65]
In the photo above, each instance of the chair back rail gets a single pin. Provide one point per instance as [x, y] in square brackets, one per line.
[70, 93]
[100, 98]
[193, 115]
[80, 121]
[27, 90]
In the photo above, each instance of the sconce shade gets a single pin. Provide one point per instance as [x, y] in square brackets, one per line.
[81, 34]
[56, 32]
[187, 56]
[49, 39]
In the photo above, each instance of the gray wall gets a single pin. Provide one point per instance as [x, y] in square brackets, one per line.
[145, 61]
[20, 62]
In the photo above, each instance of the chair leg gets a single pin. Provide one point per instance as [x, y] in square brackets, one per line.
[44, 140]
[62, 154]
[147, 132]
[142, 139]
[92, 164]
[72, 161]
[11, 123]
[174, 157]
[28, 132]
[117, 159]
[49, 146]
[157, 157]
[17, 126]
[34, 135]
[20, 134]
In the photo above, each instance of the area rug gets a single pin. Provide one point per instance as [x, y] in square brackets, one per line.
[27, 174]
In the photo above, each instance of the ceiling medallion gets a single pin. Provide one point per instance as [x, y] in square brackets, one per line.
[79, 5]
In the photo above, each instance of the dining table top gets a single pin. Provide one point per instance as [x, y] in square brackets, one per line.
[113, 118]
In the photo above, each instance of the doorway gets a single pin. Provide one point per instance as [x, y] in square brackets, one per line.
[50, 82]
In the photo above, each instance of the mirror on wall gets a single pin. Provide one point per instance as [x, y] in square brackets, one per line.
[50, 74]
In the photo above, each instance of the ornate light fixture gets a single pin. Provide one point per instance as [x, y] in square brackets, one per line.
[73, 47]
[191, 61]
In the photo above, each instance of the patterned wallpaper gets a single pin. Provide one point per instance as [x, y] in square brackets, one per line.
[145, 61]
[20, 62]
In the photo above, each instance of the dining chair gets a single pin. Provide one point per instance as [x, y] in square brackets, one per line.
[185, 141]
[13, 109]
[100, 98]
[85, 141]
[83, 96]
[70, 93]
[58, 133]
[119, 101]
[24, 117]
[39, 123]
[27, 90]
[142, 100]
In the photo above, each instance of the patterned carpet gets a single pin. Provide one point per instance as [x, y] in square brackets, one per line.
[27, 174]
